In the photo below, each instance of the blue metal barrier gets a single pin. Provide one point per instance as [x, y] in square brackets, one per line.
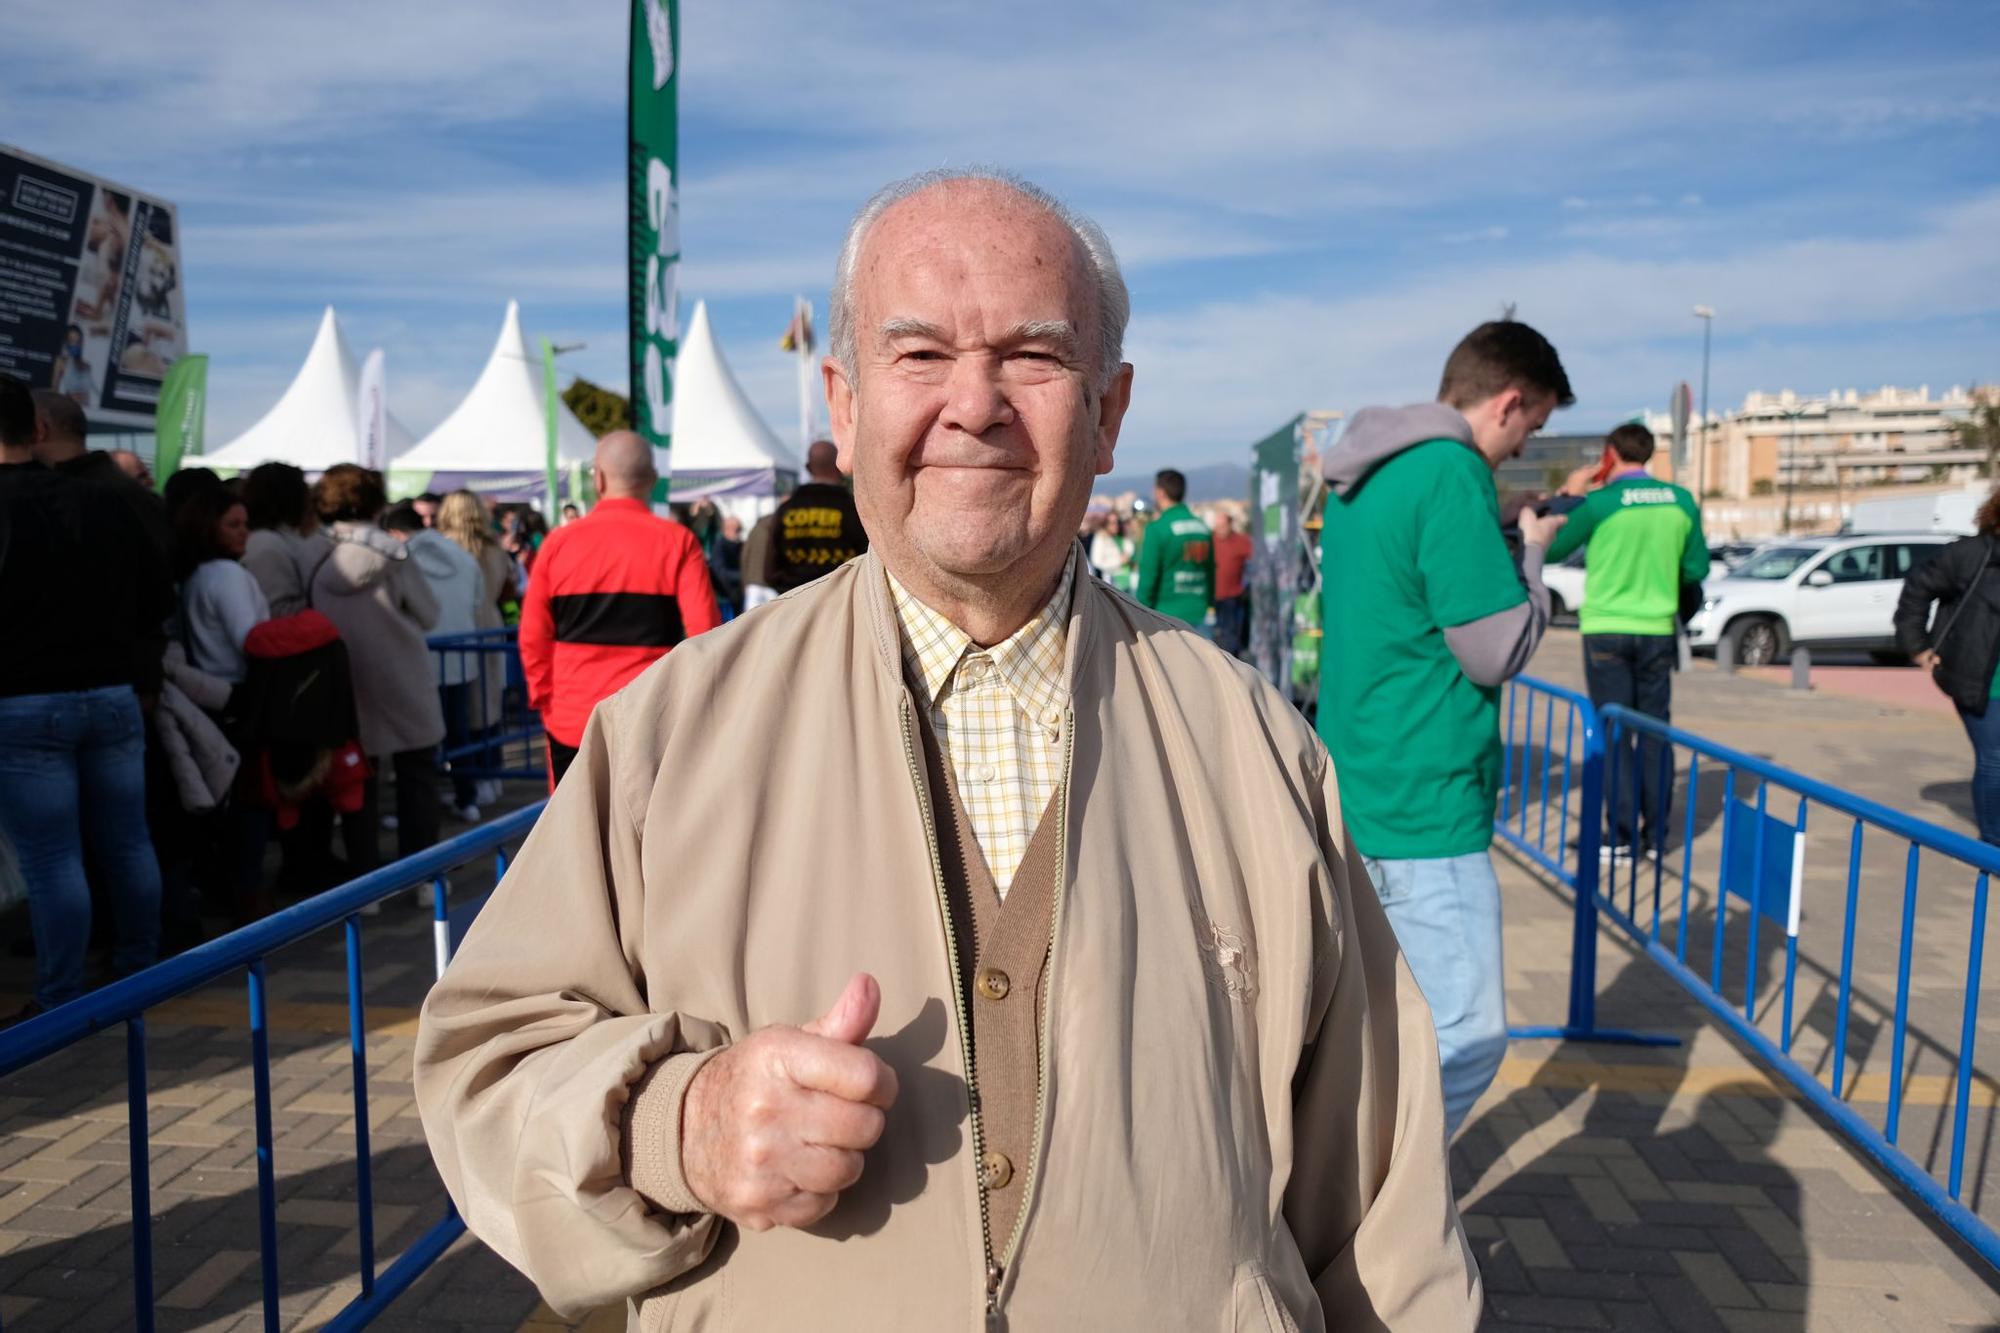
[126, 1001]
[1580, 773]
[1767, 879]
[477, 656]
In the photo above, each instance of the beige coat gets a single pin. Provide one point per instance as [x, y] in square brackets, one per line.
[1240, 1124]
[371, 589]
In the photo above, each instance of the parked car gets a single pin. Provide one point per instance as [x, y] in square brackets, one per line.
[1565, 581]
[1824, 592]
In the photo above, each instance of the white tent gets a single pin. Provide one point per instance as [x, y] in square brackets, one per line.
[315, 423]
[721, 446]
[497, 438]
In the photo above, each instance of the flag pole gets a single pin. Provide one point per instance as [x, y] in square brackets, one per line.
[802, 316]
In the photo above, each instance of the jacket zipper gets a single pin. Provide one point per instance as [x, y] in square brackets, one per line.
[1048, 1007]
[993, 1271]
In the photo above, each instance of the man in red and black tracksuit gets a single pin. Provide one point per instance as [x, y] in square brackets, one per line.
[611, 593]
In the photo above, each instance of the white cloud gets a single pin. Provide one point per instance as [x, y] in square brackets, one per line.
[1226, 370]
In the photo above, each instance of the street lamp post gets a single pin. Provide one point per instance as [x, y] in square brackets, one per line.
[1792, 460]
[1706, 314]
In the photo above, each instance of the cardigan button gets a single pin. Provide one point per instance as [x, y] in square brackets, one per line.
[992, 983]
[995, 1170]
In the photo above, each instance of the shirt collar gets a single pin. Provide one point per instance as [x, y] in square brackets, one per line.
[1029, 661]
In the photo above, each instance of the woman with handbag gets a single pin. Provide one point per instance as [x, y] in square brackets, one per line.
[1963, 653]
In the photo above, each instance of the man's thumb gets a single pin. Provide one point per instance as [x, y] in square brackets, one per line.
[853, 1014]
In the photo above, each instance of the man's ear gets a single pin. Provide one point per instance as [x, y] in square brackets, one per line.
[839, 411]
[1111, 407]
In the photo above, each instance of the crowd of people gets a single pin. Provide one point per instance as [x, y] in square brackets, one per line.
[196, 672]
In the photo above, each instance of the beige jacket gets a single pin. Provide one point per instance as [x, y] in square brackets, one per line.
[1240, 1117]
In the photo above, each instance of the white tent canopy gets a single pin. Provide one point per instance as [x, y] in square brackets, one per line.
[721, 446]
[498, 436]
[315, 424]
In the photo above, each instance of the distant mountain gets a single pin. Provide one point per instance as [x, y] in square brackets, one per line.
[1211, 481]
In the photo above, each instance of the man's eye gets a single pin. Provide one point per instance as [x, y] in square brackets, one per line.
[924, 354]
[1049, 357]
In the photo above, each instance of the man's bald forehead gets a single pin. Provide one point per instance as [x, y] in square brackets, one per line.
[949, 203]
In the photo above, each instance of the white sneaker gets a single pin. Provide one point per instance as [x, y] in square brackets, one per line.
[468, 812]
[391, 823]
[426, 895]
[489, 791]
[372, 909]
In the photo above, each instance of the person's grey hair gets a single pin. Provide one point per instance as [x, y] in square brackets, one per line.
[1114, 303]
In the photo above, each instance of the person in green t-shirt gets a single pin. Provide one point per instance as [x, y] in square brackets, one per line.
[1644, 540]
[1177, 557]
[1426, 615]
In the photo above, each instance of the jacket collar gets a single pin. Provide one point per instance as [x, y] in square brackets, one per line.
[1087, 605]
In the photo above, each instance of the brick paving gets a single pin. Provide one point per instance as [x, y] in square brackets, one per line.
[1603, 1187]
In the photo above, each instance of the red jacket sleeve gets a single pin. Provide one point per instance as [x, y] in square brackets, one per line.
[538, 638]
[694, 591]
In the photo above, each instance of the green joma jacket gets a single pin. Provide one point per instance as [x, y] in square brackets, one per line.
[1645, 541]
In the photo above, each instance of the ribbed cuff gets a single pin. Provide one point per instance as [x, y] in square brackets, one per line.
[651, 1144]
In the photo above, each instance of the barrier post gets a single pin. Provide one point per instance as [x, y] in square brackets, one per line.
[1580, 1023]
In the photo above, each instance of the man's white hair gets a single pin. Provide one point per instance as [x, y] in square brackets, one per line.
[1114, 304]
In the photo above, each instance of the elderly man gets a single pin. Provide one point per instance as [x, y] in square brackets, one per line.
[1111, 1031]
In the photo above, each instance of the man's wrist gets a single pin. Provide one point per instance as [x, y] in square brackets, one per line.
[651, 1143]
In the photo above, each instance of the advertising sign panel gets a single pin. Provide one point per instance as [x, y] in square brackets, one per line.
[91, 300]
[654, 225]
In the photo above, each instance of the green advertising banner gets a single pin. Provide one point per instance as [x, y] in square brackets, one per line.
[182, 416]
[654, 225]
[1274, 526]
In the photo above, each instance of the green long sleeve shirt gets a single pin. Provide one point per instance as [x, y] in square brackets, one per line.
[1177, 566]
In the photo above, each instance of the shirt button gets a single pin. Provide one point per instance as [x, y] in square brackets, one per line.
[989, 773]
[992, 983]
[995, 1170]
[1051, 717]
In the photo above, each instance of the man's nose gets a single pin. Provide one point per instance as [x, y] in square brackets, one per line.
[975, 401]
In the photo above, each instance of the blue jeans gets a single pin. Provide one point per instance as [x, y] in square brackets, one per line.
[73, 771]
[1984, 733]
[1446, 911]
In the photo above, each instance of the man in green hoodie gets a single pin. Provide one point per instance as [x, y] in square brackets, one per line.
[1177, 561]
[1426, 616]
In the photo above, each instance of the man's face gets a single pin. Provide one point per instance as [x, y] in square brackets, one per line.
[969, 421]
[1224, 524]
[426, 511]
[1502, 424]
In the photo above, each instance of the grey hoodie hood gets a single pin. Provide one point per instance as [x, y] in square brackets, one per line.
[362, 557]
[1377, 434]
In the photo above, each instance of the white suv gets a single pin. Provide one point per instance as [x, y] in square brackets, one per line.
[1824, 592]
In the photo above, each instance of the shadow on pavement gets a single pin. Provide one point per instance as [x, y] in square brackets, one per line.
[1625, 1224]
[210, 1244]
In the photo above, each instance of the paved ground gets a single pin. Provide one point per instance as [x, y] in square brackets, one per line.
[1604, 1187]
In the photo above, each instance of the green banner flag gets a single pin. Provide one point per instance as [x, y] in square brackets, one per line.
[182, 416]
[654, 225]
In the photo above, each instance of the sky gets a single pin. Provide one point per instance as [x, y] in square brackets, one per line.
[1312, 201]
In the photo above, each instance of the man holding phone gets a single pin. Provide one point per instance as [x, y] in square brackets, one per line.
[1645, 542]
[1427, 615]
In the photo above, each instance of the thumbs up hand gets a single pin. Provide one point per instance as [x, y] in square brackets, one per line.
[774, 1128]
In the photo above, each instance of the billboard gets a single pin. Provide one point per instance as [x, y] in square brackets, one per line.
[90, 288]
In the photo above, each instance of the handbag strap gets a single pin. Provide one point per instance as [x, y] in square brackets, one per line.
[1984, 560]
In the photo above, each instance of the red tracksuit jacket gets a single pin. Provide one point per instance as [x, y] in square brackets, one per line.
[610, 594]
